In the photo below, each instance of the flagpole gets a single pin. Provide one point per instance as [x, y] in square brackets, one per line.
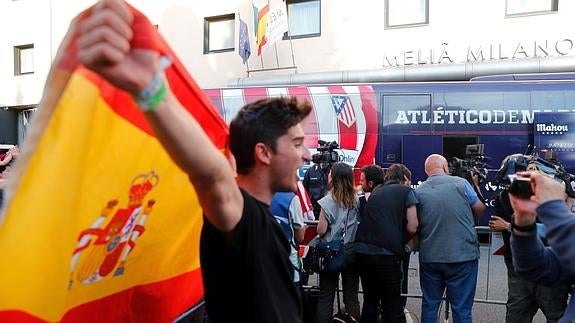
[277, 57]
[247, 68]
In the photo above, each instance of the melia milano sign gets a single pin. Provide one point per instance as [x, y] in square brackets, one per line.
[447, 53]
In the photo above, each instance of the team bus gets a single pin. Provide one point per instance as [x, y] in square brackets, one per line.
[388, 123]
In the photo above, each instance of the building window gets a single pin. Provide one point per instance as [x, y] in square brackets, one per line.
[304, 18]
[24, 59]
[219, 34]
[530, 7]
[402, 13]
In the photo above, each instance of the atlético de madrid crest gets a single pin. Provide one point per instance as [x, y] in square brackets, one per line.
[343, 109]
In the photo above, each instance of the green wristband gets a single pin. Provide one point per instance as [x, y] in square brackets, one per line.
[156, 99]
[155, 92]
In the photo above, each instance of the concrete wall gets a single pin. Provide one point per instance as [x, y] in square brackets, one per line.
[353, 37]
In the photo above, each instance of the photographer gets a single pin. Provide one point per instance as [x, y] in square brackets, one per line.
[315, 182]
[472, 168]
[551, 265]
[524, 297]
[315, 179]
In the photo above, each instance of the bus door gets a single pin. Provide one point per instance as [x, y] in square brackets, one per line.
[414, 151]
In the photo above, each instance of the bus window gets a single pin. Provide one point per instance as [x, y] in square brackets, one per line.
[548, 101]
[406, 110]
[401, 114]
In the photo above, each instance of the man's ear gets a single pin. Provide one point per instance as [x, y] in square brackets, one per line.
[262, 153]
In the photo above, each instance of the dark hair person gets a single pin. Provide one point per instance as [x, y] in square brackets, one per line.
[339, 210]
[390, 213]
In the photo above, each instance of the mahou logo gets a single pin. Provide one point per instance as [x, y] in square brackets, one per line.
[552, 128]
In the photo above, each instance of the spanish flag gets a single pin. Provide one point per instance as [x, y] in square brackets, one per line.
[261, 26]
[100, 225]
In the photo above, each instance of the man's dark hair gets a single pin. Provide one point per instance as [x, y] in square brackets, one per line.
[397, 172]
[373, 173]
[263, 121]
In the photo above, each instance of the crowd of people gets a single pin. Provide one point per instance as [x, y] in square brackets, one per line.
[249, 268]
[442, 212]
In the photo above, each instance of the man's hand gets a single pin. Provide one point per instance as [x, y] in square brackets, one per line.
[498, 224]
[524, 210]
[104, 47]
[476, 179]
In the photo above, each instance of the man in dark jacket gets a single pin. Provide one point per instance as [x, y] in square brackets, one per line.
[546, 265]
[524, 297]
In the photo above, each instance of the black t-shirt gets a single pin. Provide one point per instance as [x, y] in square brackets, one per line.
[248, 276]
[384, 219]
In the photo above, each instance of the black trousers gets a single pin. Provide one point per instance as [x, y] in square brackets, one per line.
[381, 278]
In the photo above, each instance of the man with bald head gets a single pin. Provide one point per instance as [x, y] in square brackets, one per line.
[449, 249]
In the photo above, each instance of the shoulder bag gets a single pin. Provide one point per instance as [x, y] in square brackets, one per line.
[325, 257]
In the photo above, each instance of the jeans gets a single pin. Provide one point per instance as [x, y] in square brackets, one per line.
[328, 284]
[525, 298]
[459, 279]
[381, 278]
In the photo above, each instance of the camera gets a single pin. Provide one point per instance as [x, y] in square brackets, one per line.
[326, 153]
[519, 162]
[520, 186]
[474, 163]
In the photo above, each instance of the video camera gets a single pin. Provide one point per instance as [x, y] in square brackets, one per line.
[521, 162]
[474, 163]
[326, 153]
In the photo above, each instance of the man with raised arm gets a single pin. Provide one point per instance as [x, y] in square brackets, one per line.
[244, 255]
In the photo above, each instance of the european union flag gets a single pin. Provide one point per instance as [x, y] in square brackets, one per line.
[244, 42]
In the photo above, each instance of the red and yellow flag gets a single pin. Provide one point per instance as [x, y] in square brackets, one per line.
[262, 27]
[100, 225]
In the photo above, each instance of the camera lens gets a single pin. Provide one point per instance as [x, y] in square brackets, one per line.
[520, 186]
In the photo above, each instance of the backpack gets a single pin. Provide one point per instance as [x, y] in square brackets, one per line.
[343, 317]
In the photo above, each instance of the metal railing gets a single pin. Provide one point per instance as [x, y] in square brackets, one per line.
[198, 309]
